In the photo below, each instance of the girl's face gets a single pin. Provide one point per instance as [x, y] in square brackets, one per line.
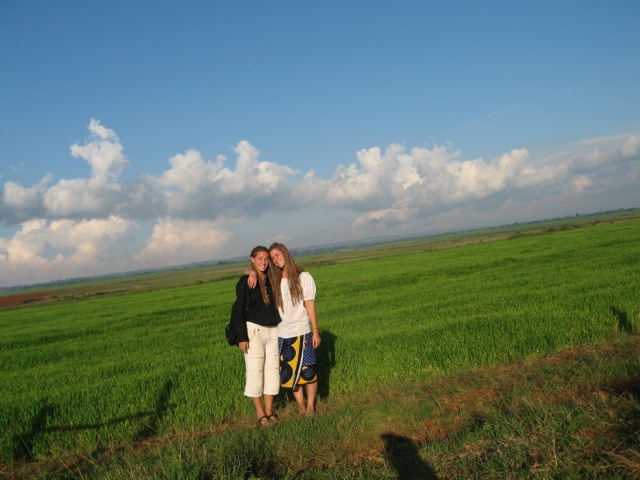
[260, 261]
[277, 258]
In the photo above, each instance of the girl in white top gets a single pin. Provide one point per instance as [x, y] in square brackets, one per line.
[298, 333]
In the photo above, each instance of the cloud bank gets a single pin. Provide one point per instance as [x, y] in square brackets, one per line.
[87, 226]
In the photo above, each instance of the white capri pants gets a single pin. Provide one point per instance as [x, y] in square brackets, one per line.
[262, 361]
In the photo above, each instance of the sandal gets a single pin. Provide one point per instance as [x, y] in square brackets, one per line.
[273, 418]
[264, 418]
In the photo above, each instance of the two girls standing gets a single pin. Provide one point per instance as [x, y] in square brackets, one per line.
[281, 321]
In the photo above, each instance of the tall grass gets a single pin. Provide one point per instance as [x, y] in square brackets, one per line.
[91, 374]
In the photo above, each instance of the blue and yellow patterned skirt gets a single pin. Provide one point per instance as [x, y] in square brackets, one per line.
[297, 361]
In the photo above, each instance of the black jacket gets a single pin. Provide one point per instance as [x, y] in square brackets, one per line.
[249, 306]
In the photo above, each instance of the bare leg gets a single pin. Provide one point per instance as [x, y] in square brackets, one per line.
[257, 403]
[312, 390]
[298, 394]
[268, 405]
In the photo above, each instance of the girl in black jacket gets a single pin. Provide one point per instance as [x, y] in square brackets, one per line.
[255, 318]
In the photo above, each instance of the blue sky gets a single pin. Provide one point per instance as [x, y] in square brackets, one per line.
[139, 134]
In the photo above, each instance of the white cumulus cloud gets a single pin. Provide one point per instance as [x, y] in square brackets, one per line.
[98, 194]
[84, 226]
[177, 241]
[44, 250]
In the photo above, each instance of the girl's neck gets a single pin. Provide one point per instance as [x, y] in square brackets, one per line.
[284, 273]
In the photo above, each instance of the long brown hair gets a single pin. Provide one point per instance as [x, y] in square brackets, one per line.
[261, 278]
[293, 274]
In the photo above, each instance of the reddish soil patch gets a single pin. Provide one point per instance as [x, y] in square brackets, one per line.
[12, 300]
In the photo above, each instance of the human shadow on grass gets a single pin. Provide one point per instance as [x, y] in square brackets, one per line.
[325, 361]
[402, 453]
[624, 324]
[163, 406]
[23, 443]
[627, 393]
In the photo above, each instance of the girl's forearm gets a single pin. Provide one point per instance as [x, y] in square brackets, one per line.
[311, 310]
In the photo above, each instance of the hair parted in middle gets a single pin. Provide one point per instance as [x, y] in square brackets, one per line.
[293, 275]
[261, 277]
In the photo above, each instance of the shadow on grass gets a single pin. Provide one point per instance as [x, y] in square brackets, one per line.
[402, 453]
[627, 392]
[624, 324]
[163, 406]
[24, 443]
[325, 361]
[242, 455]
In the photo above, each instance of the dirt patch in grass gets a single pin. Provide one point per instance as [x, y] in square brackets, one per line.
[24, 298]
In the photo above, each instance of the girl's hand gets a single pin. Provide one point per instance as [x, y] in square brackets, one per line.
[316, 339]
[252, 281]
[244, 346]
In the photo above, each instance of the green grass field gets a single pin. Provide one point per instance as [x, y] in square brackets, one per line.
[143, 372]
